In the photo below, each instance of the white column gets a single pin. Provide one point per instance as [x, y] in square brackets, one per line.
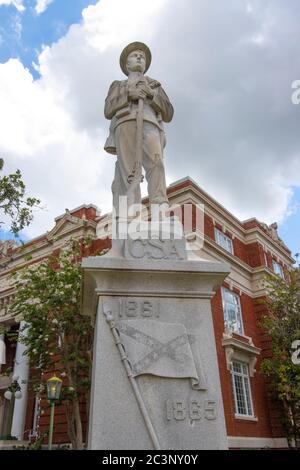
[21, 368]
[2, 351]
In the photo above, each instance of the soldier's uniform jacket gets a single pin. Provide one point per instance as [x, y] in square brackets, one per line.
[119, 109]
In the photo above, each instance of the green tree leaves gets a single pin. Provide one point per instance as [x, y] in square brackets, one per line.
[13, 202]
[283, 326]
[58, 337]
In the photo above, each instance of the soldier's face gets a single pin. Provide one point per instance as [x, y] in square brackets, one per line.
[136, 61]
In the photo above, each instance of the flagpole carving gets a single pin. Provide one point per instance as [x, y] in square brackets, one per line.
[112, 325]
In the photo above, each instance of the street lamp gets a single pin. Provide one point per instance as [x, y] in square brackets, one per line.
[12, 393]
[53, 393]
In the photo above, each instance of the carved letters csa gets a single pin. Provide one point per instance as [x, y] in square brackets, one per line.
[153, 249]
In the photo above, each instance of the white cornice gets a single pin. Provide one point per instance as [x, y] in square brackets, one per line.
[240, 349]
[45, 247]
[232, 223]
[204, 195]
[83, 206]
[243, 277]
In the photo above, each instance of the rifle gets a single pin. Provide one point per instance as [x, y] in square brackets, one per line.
[136, 177]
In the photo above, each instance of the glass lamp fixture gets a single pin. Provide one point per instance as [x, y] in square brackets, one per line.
[53, 393]
[54, 388]
[8, 395]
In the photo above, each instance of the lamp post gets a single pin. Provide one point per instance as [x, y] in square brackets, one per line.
[53, 393]
[12, 393]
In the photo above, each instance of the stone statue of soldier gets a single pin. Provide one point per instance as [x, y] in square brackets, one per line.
[137, 99]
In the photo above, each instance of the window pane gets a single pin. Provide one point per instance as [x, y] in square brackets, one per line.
[242, 392]
[239, 391]
[224, 241]
[277, 268]
[232, 311]
[247, 393]
[236, 366]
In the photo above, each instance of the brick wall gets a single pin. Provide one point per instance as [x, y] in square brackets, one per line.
[241, 427]
[60, 426]
[265, 343]
[255, 255]
[209, 229]
[268, 424]
[240, 250]
[251, 254]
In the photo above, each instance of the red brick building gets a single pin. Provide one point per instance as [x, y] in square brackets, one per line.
[250, 247]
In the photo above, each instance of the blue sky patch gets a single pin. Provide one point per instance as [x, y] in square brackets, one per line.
[289, 229]
[22, 35]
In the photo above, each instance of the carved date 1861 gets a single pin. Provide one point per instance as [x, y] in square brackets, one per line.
[139, 308]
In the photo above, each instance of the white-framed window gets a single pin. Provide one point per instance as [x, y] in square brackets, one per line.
[241, 389]
[277, 268]
[232, 311]
[224, 241]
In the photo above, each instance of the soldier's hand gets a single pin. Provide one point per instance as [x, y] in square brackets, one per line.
[147, 90]
[135, 94]
[142, 84]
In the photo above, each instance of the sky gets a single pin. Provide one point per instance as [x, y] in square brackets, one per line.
[227, 67]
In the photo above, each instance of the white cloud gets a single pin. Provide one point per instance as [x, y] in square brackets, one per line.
[16, 3]
[61, 159]
[235, 130]
[60, 164]
[16, 25]
[42, 5]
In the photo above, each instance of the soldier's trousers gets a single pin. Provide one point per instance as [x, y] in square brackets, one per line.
[152, 162]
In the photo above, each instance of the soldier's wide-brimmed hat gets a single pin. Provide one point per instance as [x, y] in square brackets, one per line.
[134, 46]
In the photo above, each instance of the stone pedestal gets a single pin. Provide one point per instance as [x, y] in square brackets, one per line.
[162, 318]
[13, 445]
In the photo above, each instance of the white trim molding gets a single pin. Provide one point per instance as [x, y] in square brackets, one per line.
[240, 350]
[238, 442]
[245, 417]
